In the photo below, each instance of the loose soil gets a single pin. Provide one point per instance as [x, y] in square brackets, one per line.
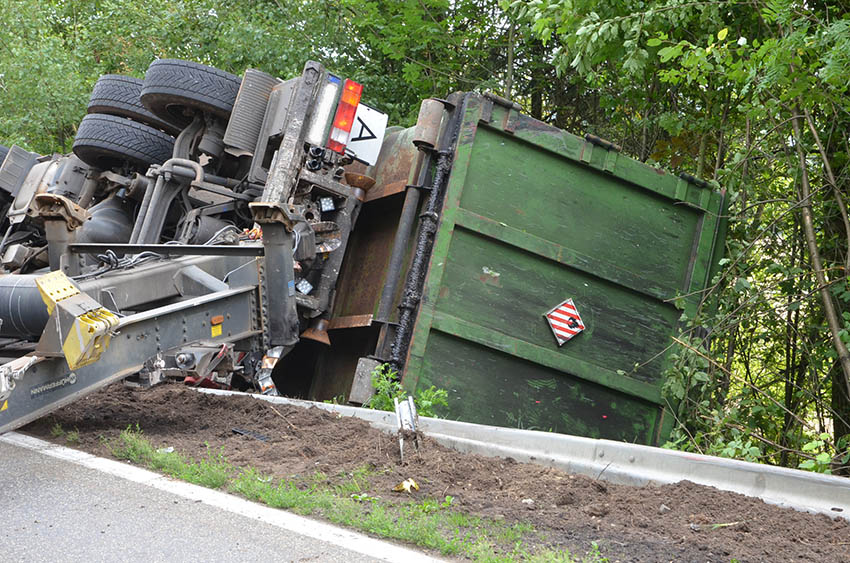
[654, 523]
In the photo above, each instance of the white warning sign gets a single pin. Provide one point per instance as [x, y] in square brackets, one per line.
[367, 134]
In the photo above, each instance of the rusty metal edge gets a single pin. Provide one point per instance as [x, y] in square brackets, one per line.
[351, 321]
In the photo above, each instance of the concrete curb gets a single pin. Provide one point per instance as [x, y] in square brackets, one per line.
[618, 462]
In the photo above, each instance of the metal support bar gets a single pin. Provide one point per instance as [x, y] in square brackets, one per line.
[58, 238]
[425, 242]
[40, 386]
[169, 249]
[158, 210]
[163, 194]
[600, 142]
[346, 219]
[143, 208]
[330, 185]
[23, 314]
[284, 174]
[88, 190]
[279, 285]
[402, 238]
[211, 178]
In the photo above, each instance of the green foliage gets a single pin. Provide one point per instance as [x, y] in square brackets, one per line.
[388, 388]
[427, 523]
[429, 401]
[212, 471]
[822, 459]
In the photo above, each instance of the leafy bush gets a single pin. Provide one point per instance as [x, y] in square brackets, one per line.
[388, 388]
[821, 459]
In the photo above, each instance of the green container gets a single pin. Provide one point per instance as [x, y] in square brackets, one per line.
[533, 216]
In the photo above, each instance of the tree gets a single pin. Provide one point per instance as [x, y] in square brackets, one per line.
[755, 99]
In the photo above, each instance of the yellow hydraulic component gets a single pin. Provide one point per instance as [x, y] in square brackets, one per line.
[89, 337]
[87, 327]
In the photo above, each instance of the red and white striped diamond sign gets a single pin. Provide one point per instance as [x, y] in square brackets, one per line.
[565, 321]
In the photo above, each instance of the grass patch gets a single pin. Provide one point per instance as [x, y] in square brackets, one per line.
[57, 431]
[348, 501]
[427, 523]
[212, 471]
[592, 556]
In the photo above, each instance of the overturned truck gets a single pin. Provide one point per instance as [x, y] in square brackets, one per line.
[275, 236]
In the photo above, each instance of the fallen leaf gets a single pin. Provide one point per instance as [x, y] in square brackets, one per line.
[406, 486]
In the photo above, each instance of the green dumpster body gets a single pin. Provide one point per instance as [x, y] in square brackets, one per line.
[533, 216]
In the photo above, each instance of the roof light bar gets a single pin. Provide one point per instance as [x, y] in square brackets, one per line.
[345, 111]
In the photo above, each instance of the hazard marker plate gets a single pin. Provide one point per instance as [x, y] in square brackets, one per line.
[367, 134]
[564, 321]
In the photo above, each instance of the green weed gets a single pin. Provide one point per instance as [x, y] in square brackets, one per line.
[213, 471]
[594, 555]
[388, 388]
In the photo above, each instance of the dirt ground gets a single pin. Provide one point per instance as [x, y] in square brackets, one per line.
[656, 523]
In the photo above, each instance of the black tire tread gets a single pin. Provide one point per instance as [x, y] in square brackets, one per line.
[116, 94]
[104, 141]
[172, 84]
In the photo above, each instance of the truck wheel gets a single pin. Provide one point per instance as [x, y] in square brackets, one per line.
[104, 141]
[115, 94]
[174, 89]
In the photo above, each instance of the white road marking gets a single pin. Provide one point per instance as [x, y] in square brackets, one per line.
[315, 529]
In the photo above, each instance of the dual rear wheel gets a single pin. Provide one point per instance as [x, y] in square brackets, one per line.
[133, 122]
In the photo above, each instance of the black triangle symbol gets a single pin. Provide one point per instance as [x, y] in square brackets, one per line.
[363, 135]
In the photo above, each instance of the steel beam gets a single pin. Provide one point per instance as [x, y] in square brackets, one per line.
[42, 385]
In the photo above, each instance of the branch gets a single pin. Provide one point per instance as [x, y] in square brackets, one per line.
[745, 382]
[842, 208]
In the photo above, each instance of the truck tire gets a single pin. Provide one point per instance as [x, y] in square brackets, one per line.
[115, 94]
[174, 89]
[104, 141]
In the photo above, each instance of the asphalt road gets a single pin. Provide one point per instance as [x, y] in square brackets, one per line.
[53, 509]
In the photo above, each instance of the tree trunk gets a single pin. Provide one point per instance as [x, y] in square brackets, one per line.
[814, 253]
[840, 419]
[538, 79]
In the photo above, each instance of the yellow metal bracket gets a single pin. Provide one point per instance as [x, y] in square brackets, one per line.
[55, 287]
[85, 326]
